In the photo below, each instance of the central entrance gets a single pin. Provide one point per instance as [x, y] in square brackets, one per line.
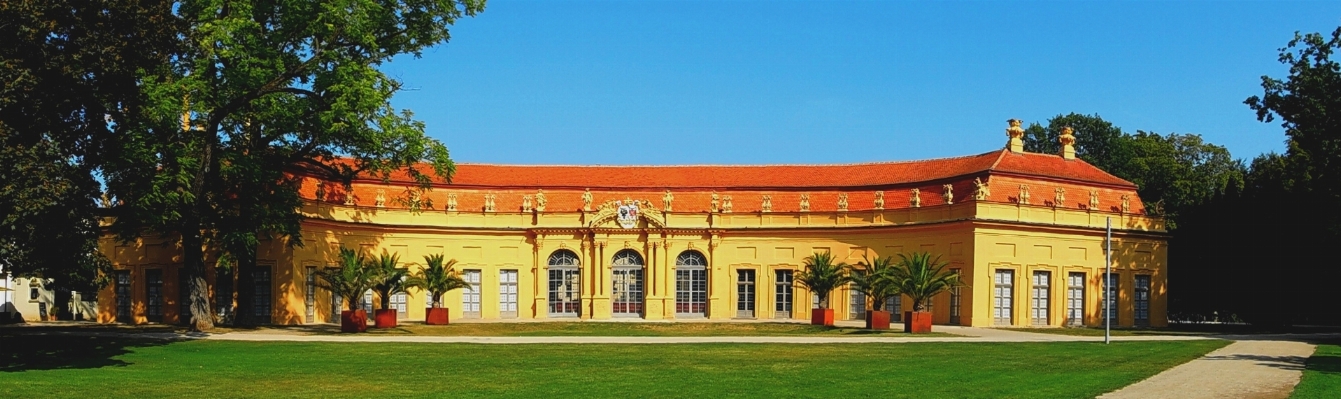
[628, 284]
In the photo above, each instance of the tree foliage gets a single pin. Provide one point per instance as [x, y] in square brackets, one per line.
[872, 277]
[349, 280]
[71, 73]
[387, 277]
[268, 89]
[437, 277]
[921, 277]
[823, 275]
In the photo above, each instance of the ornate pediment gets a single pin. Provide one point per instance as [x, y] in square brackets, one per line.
[627, 214]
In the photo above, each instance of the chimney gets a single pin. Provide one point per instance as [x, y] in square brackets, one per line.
[1068, 143]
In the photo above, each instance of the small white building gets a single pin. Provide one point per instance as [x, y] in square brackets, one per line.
[29, 299]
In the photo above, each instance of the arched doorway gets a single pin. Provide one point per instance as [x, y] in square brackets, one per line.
[565, 284]
[627, 298]
[691, 284]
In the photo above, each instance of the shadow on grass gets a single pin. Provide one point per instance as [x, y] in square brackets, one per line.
[55, 351]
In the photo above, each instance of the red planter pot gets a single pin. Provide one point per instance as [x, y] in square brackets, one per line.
[917, 322]
[821, 317]
[386, 318]
[435, 316]
[353, 321]
[877, 320]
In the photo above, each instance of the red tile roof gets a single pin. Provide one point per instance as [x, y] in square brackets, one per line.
[599, 177]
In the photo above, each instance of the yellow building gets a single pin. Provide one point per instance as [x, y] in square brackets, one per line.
[1026, 231]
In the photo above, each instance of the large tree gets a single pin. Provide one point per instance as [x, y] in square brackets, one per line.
[71, 73]
[269, 87]
[1097, 140]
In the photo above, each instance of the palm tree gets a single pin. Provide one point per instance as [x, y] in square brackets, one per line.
[387, 279]
[822, 276]
[921, 277]
[871, 277]
[437, 278]
[350, 280]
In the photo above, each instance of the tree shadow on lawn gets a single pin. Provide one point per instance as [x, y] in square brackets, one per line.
[53, 351]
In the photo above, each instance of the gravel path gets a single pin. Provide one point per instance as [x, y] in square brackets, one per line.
[1249, 369]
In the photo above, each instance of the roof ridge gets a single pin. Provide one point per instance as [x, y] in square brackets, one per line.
[727, 165]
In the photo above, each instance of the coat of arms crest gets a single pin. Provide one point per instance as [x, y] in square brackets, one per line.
[628, 213]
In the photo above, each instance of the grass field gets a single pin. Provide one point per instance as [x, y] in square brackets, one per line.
[1099, 332]
[70, 366]
[1322, 373]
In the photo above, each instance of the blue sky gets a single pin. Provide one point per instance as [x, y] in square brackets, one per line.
[743, 82]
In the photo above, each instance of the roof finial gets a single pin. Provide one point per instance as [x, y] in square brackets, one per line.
[1016, 134]
[1068, 143]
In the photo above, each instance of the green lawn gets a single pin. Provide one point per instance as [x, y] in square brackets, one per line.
[1322, 373]
[72, 366]
[631, 329]
[1099, 332]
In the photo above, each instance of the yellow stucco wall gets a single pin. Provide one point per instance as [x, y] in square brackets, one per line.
[978, 238]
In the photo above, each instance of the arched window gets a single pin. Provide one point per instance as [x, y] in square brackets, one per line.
[563, 257]
[691, 284]
[565, 284]
[627, 300]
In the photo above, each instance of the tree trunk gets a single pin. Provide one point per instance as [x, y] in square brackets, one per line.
[246, 288]
[193, 264]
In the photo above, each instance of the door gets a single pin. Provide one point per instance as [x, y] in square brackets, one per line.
[1075, 299]
[153, 295]
[1042, 298]
[507, 294]
[123, 296]
[691, 285]
[310, 299]
[1003, 296]
[745, 293]
[565, 290]
[1142, 301]
[627, 290]
[223, 294]
[856, 304]
[782, 294]
[894, 305]
[1111, 298]
[262, 296]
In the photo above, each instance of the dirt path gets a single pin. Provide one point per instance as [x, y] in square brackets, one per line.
[1250, 369]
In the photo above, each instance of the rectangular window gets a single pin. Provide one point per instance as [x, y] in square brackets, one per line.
[565, 292]
[470, 299]
[1111, 297]
[956, 299]
[1042, 298]
[153, 295]
[261, 298]
[507, 294]
[311, 298]
[223, 294]
[367, 304]
[1003, 297]
[856, 304]
[183, 297]
[1075, 299]
[1142, 300]
[123, 296]
[745, 293]
[782, 294]
[691, 291]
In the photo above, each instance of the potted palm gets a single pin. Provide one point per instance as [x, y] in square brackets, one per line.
[387, 279]
[821, 277]
[871, 277]
[921, 277]
[437, 278]
[348, 281]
